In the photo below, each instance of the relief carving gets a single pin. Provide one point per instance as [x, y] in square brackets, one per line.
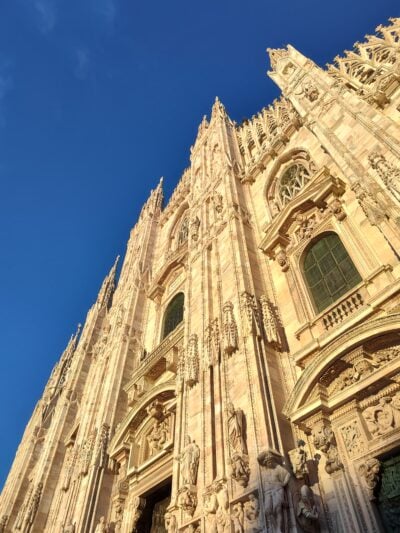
[159, 433]
[187, 499]
[86, 452]
[192, 361]
[384, 416]
[230, 329]
[250, 311]
[370, 471]
[307, 514]
[102, 444]
[3, 523]
[372, 209]
[216, 506]
[298, 460]
[275, 479]
[325, 442]
[70, 458]
[353, 439]
[282, 260]
[170, 522]
[270, 323]
[237, 516]
[251, 509]
[69, 528]
[194, 226]
[138, 506]
[389, 174]
[32, 508]
[238, 445]
[212, 343]
[102, 526]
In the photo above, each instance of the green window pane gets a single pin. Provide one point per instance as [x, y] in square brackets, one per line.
[173, 314]
[329, 271]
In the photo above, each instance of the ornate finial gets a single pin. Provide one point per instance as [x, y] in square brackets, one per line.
[275, 54]
[218, 109]
[108, 286]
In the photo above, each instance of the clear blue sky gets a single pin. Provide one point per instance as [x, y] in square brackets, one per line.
[98, 99]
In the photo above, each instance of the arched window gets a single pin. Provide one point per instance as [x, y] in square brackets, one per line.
[173, 314]
[329, 270]
[292, 182]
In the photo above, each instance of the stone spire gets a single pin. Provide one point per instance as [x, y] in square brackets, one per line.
[108, 286]
[218, 110]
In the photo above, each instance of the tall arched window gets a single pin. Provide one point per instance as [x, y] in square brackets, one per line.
[173, 314]
[292, 181]
[328, 270]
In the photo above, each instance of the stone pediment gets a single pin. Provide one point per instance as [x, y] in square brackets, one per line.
[322, 187]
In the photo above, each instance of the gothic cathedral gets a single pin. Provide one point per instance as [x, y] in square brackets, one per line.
[243, 373]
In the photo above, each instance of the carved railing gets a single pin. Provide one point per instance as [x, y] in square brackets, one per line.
[343, 310]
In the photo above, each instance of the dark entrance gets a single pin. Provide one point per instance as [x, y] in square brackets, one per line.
[389, 494]
[157, 501]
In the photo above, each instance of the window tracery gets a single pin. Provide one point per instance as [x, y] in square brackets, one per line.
[292, 181]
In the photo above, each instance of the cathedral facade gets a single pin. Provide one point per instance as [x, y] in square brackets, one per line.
[243, 373]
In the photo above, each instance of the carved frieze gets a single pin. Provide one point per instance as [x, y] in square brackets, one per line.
[216, 507]
[252, 518]
[384, 415]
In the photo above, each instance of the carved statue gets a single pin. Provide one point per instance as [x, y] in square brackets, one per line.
[324, 440]
[389, 174]
[251, 509]
[170, 522]
[69, 528]
[307, 514]
[236, 429]
[210, 506]
[194, 226]
[189, 460]
[230, 329]
[370, 471]
[187, 499]
[276, 477]
[269, 321]
[102, 526]
[238, 517]
[3, 523]
[192, 361]
[118, 513]
[138, 506]
[33, 507]
[240, 469]
[298, 459]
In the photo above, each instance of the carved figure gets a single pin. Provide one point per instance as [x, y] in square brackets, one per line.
[194, 225]
[210, 507]
[251, 509]
[187, 499]
[157, 437]
[276, 477]
[33, 506]
[307, 514]
[3, 523]
[238, 518]
[170, 522]
[230, 329]
[240, 469]
[192, 361]
[389, 174]
[69, 528]
[102, 526]
[138, 505]
[383, 417]
[189, 460]
[269, 321]
[236, 429]
[370, 471]
[298, 458]
[324, 440]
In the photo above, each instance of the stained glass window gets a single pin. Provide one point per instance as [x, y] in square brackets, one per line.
[329, 270]
[173, 314]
